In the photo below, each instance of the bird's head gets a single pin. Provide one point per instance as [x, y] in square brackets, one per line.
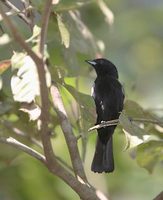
[103, 67]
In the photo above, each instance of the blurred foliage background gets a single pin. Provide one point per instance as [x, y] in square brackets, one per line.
[130, 34]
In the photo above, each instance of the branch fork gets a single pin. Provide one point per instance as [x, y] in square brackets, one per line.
[78, 182]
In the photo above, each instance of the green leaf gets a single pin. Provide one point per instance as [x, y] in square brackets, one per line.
[133, 109]
[35, 35]
[4, 107]
[86, 105]
[65, 5]
[38, 4]
[86, 116]
[134, 134]
[149, 154]
[65, 35]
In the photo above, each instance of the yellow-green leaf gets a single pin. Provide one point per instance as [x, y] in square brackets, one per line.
[134, 134]
[149, 154]
[65, 35]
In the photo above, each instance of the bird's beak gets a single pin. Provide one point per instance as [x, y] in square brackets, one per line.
[91, 62]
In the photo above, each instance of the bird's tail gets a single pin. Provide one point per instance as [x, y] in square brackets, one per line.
[103, 160]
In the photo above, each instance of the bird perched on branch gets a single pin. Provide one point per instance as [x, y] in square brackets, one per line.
[108, 95]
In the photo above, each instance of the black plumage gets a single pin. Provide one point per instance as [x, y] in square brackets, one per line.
[108, 95]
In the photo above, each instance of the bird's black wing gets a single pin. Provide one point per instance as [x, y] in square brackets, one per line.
[108, 97]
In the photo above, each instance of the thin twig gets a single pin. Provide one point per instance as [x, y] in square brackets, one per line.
[28, 11]
[104, 124]
[19, 132]
[81, 186]
[18, 37]
[45, 20]
[15, 143]
[82, 189]
[48, 150]
[49, 154]
[17, 11]
[152, 121]
[116, 121]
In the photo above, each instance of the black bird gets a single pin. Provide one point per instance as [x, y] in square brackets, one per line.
[108, 96]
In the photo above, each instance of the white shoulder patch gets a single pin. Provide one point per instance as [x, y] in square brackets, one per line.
[92, 91]
[102, 106]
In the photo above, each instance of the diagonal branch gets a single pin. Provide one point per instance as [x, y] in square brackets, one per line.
[48, 150]
[68, 133]
[17, 11]
[17, 36]
[19, 132]
[80, 186]
[82, 189]
[15, 143]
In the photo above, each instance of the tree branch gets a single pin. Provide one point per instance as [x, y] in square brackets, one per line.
[82, 189]
[45, 133]
[159, 196]
[116, 121]
[17, 11]
[18, 37]
[45, 20]
[80, 185]
[39, 61]
[15, 143]
[104, 124]
[19, 132]
[143, 120]
[68, 133]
